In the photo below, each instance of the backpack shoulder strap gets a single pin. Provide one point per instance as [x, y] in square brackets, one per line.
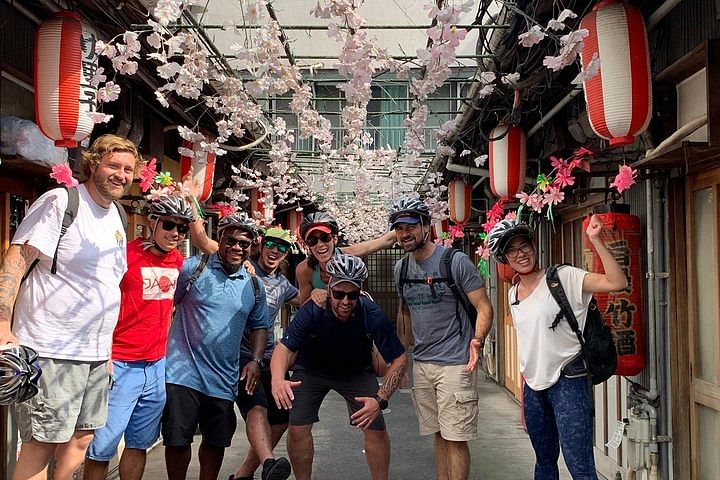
[68, 218]
[256, 288]
[123, 214]
[195, 275]
[447, 276]
[403, 275]
[558, 293]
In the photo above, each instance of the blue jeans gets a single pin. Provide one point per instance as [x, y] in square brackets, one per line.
[560, 416]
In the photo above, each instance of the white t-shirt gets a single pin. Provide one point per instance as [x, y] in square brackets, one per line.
[544, 352]
[71, 315]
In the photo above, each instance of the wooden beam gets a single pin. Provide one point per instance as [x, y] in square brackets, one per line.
[712, 63]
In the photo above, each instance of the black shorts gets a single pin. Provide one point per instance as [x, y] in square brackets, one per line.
[185, 408]
[310, 393]
[262, 396]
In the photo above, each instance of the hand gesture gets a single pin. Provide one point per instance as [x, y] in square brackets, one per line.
[319, 296]
[367, 414]
[283, 394]
[251, 375]
[475, 354]
[249, 267]
[191, 186]
[594, 228]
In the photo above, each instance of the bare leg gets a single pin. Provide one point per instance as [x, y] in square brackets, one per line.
[33, 461]
[177, 460]
[70, 456]
[301, 450]
[211, 458]
[377, 453]
[441, 458]
[251, 462]
[132, 464]
[95, 469]
[456, 456]
[257, 429]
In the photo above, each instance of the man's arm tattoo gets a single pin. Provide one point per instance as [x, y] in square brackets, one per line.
[392, 381]
[16, 262]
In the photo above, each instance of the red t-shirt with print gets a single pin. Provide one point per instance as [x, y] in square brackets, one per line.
[147, 288]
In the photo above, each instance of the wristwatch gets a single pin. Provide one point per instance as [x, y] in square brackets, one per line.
[381, 402]
[259, 361]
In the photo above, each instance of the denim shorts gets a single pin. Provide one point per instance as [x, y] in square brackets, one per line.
[135, 406]
[73, 396]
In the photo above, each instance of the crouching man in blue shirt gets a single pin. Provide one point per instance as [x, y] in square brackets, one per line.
[333, 347]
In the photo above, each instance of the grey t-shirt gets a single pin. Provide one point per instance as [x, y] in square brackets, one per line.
[434, 309]
[278, 291]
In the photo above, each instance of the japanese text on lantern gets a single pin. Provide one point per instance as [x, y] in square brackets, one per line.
[89, 67]
[620, 307]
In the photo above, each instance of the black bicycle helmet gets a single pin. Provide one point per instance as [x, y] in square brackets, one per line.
[408, 206]
[19, 374]
[171, 206]
[238, 221]
[318, 218]
[347, 268]
[502, 233]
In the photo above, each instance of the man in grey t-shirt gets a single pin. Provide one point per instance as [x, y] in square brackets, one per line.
[447, 342]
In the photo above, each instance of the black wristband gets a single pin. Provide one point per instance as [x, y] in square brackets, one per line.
[381, 402]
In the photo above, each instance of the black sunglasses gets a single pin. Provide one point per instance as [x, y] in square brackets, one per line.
[339, 295]
[281, 247]
[323, 237]
[231, 242]
[169, 225]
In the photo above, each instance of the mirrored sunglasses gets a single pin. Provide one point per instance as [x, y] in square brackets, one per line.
[281, 247]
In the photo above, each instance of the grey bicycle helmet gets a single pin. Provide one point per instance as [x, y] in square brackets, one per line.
[19, 374]
[171, 206]
[347, 268]
[502, 233]
[317, 219]
[238, 221]
[407, 207]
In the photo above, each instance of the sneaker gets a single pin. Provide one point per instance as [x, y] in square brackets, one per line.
[276, 469]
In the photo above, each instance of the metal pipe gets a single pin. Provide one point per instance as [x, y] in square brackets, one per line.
[24, 11]
[474, 171]
[211, 26]
[17, 81]
[546, 118]
[652, 394]
[679, 134]
[660, 13]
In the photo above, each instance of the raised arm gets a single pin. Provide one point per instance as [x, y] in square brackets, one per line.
[614, 278]
[16, 262]
[303, 274]
[364, 249]
[199, 237]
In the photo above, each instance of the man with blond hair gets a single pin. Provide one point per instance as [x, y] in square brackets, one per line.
[67, 307]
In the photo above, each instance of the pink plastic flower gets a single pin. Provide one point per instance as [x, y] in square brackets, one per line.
[523, 197]
[625, 179]
[63, 175]
[147, 174]
[535, 201]
[553, 196]
[563, 179]
[457, 230]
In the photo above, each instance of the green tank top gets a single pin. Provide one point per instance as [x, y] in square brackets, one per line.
[316, 280]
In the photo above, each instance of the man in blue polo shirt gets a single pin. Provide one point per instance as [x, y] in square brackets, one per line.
[214, 304]
[335, 345]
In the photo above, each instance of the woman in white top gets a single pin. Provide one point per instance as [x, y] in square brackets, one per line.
[556, 407]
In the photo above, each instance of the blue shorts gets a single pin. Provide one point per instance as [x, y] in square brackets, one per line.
[135, 405]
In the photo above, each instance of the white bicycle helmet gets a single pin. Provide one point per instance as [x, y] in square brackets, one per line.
[502, 233]
[347, 268]
[171, 206]
[19, 374]
[238, 221]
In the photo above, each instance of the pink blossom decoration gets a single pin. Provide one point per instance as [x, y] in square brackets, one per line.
[457, 230]
[535, 201]
[224, 209]
[63, 175]
[563, 179]
[625, 179]
[553, 196]
[147, 174]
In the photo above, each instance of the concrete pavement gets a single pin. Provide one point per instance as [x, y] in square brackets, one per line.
[501, 452]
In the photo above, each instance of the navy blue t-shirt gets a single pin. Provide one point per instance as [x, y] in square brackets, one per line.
[333, 347]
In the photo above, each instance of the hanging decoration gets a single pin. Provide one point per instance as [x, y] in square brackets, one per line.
[293, 219]
[623, 310]
[440, 228]
[202, 163]
[262, 208]
[459, 200]
[65, 64]
[619, 98]
[507, 160]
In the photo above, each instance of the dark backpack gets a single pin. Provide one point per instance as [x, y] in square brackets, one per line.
[445, 277]
[199, 269]
[68, 218]
[596, 340]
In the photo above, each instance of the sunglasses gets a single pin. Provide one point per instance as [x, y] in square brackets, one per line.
[169, 225]
[323, 237]
[339, 295]
[281, 247]
[231, 242]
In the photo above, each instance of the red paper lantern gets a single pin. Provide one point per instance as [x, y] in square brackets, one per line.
[260, 209]
[619, 97]
[623, 310]
[459, 199]
[293, 219]
[203, 165]
[65, 62]
[439, 227]
[507, 160]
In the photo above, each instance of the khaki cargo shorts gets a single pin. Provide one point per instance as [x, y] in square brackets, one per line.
[73, 396]
[446, 400]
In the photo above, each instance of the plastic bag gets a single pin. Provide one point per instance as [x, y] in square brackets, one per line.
[24, 138]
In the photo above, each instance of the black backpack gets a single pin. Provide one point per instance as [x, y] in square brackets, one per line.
[445, 277]
[596, 340]
[68, 218]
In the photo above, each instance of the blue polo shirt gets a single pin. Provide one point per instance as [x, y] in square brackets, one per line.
[329, 346]
[204, 342]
